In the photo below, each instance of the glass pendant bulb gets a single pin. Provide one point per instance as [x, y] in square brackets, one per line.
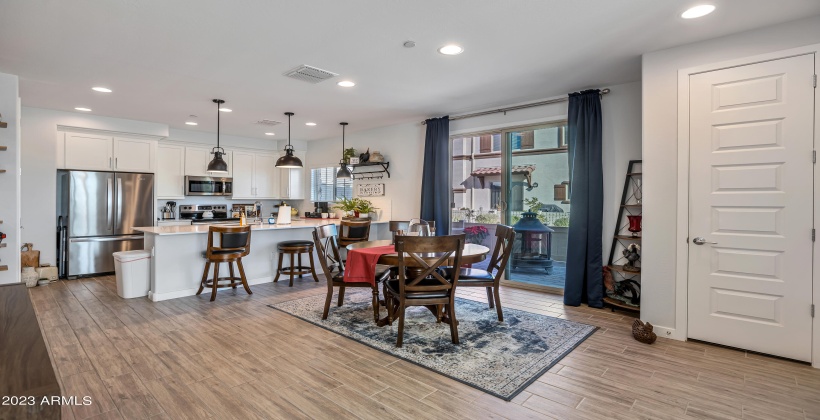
[289, 161]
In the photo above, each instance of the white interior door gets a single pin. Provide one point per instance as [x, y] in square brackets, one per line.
[751, 200]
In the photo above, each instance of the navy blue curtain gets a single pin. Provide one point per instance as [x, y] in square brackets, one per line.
[584, 282]
[435, 191]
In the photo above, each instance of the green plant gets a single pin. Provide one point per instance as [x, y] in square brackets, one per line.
[345, 204]
[363, 206]
[514, 219]
[349, 153]
[533, 204]
[561, 222]
[488, 218]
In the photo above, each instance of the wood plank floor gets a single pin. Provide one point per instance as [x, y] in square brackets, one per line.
[237, 358]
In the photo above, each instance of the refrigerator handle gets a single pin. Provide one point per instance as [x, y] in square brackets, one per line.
[109, 191]
[119, 203]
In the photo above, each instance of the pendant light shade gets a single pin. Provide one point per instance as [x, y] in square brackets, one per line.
[344, 171]
[217, 164]
[289, 161]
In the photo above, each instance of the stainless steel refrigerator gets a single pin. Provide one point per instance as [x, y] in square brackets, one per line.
[96, 214]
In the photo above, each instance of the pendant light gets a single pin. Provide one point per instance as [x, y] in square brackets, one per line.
[218, 164]
[344, 171]
[289, 161]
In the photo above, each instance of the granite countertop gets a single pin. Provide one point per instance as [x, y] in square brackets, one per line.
[190, 229]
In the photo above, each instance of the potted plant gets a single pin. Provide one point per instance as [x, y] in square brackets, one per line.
[363, 207]
[346, 205]
[349, 153]
[476, 234]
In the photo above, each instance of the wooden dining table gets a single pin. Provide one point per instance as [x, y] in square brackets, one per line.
[471, 254]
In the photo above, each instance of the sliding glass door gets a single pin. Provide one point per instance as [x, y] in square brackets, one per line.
[519, 177]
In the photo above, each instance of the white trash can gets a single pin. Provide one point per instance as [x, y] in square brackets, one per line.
[133, 270]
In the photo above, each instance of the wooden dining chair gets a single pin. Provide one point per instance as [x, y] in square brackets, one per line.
[326, 241]
[427, 287]
[352, 231]
[472, 277]
[397, 225]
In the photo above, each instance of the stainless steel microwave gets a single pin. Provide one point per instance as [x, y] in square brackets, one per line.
[206, 185]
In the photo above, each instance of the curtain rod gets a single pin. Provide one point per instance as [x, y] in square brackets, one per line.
[514, 108]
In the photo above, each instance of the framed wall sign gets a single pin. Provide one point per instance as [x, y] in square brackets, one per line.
[354, 161]
[369, 190]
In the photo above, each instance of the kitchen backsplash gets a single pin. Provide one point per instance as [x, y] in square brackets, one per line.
[267, 205]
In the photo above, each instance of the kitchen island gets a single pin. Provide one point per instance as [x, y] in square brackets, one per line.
[177, 253]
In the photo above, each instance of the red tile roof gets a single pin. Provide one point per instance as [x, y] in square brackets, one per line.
[496, 170]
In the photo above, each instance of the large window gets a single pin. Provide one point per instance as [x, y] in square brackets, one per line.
[324, 186]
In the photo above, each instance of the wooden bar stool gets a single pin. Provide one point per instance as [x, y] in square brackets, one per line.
[295, 248]
[234, 243]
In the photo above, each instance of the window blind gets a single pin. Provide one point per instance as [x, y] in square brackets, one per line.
[324, 186]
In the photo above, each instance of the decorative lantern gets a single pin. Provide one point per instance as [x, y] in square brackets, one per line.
[533, 247]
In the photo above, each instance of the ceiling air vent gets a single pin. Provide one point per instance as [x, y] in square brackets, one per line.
[268, 122]
[310, 74]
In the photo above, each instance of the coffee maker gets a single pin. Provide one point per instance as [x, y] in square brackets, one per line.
[321, 207]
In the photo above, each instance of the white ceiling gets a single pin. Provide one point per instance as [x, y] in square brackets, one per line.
[168, 59]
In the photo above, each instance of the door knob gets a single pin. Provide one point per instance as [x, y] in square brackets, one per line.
[700, 241]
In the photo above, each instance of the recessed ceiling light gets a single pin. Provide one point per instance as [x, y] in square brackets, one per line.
[270, 134]
[698, 11]
[346, 83]
[451, 49]
[79, 108]
[191, 120]
[223, 109]
[310, 123]
[102, 89]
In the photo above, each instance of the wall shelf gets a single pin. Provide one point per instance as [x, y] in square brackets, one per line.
[4, 268]
[3, 148]
[3, 245]
[373, 170]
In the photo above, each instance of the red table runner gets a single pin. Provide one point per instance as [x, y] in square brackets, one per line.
[361, 263]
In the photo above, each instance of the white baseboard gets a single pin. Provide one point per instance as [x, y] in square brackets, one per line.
[156, 297]
[667, 332]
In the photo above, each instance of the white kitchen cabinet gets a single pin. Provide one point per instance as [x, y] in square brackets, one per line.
[170, 179]
[134, 155]
[292, 181]
[255, 176]
[107, 153]
[243, 177]
[89, 151]
[197, 159]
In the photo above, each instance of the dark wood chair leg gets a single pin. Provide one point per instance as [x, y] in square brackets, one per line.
[312, 268]
[388, 302]
[327, 302]
[400, 338]
[204, 277]
[490, 296]
[341, 295]
[376, 303]
[242, 276]
[291, 271]
[279, 267]
[498, 304]
[215, 282]
[299, 259]
[453, 323]
[233, 276]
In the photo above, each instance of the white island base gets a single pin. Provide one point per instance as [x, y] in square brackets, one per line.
[177, 254]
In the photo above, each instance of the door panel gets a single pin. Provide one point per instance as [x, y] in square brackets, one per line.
[264, 176]
[90, 207]
[751, 199]
[134, 200]
[171, 172]
[243, 182]
[87, 151]
[93, 255]
[133, 155]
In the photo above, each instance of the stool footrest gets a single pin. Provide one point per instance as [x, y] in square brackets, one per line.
[237, 282]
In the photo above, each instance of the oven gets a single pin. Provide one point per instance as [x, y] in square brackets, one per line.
[206, 185]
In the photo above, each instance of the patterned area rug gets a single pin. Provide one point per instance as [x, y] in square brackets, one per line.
[499, 358]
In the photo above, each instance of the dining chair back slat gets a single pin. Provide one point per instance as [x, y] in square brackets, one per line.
[352, 231]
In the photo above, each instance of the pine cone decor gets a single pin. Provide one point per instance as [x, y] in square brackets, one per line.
[643, 332]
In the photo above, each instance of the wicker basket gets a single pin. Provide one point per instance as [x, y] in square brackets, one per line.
[643, 332]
